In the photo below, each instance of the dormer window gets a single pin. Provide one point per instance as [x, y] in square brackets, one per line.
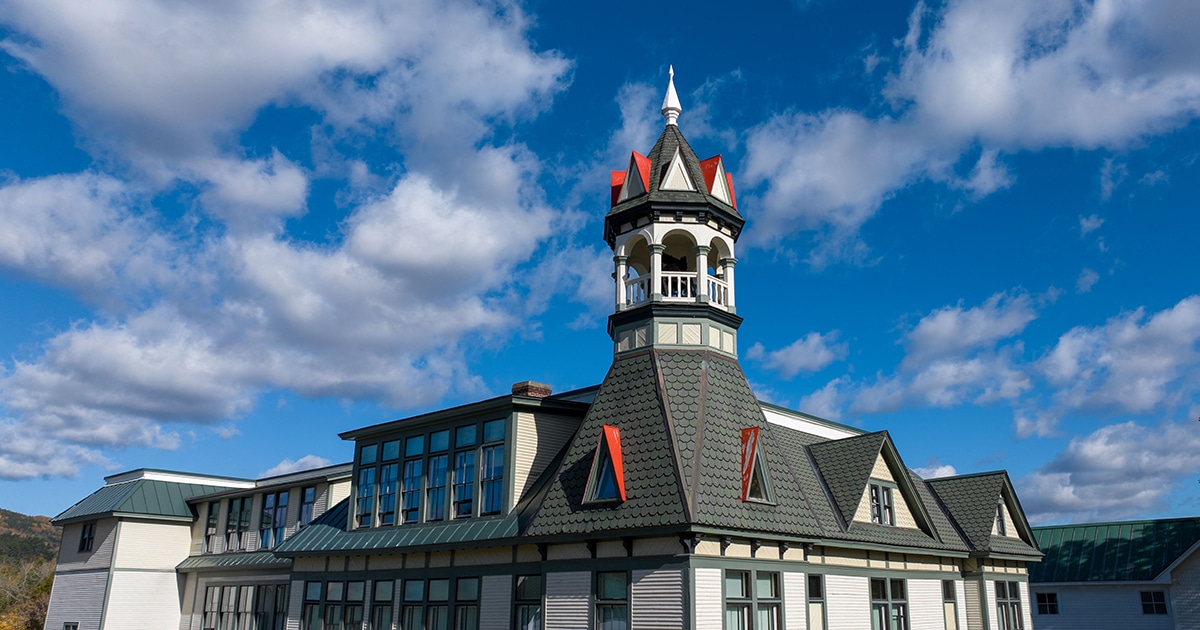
[1000, 529]
[883, 509]
[755, 484]
[607, 479]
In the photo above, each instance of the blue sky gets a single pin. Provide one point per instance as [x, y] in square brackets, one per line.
[231, 230]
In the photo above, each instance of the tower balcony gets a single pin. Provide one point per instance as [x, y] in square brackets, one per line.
[676, 287]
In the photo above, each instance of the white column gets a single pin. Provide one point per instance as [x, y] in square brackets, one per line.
[656, 252]
[701, 252]
[727, 264]
[621, 262]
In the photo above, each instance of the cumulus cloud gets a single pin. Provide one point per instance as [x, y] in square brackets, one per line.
[977, 76]
[809, 353]
[1089, 224]
[288, 466]
[935, 470]
[825, 402]
[1087, 279]
[1134, 363]
[1115, 472]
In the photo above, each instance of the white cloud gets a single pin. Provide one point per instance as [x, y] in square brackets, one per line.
[1089, 224]
[288, 466]
[1042, 423]
[1134, 363]
[809, 353]
[826, 402]
[1087, 279]
[252, 193]
[935, 470]
[1115, 472]
[1112, 173]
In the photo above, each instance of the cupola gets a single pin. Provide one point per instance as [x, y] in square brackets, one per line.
[672, 227]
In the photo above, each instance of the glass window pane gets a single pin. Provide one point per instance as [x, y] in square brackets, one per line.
[391, 450]
[766, 585]
[439, 441]
[383, 591]
[414, 590]
[1014, 591]
[1001, 591]
[768, 617]
[529, 587]
[368, 454]
[493, 431]
[898, 590]
[468, 589]
[816, 587]
[312, 591]
[414, 446]
[612, 617]
[333, 591]
[466, 617]
[879, 589]
[737, 617]
[439, 590]
[465, 436]
[354, 591]
[948, 592]
[737, 584]
[610, 585]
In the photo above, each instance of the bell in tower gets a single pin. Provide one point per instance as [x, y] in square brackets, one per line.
[672, 228]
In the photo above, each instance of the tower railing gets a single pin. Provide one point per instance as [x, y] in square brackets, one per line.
[718, 291]
[676, 286]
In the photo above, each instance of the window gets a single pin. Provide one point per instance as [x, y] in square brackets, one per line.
[435, 506]
[528, 605]
[612, 600]
[273, 519]
[381, 607]
[816, 602]
[755, 485]
[434, 604]
[950, 604]
[410, 498]
[333, 605]
[365, 502]
[237, 523]
[883, 510]
[606, 482]
[1000, 529]
[1154, 603]
[752, 600]
[1047, 603]
[387, 494]
[70, 626]
[263, 606]
[87, 536]
[211, 535]
[308, 503]
[464, 484]
[491, 482]
[889, 604]
[1008, 605]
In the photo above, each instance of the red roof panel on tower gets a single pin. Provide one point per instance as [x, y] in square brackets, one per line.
[709, 168]
[732, 197]
[643, 166]
[618, 180]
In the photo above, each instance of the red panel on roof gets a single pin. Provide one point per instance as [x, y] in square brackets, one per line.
[709, 168]
[643, 166]
[618, 180]
[612, 438]
[732, 197]
[749, 454]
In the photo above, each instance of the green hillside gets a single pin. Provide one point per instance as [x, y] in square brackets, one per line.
[28, 545]
[26, 537]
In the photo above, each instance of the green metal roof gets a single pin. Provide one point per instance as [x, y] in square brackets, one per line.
[1112, 552]
[236, 560]
[143, 497]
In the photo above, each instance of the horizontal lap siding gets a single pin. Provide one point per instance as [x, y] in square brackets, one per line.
[794, 602]
[960, 593]
[1101, 606]
[567, 600]
[708, 598]
[159, 546]
[657, 600]
[848, 602]
[925, 605]
[77, 598]
[1027, 605]
[538, 439]
[496, 602]
[973, 605]
[142, 599]
[71, 559]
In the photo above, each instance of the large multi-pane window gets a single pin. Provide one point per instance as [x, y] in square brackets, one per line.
[308, 503]
[273, 519]
[212, 534]
[1008, 605]
[440, 604]
[262, 607]
[333, 605]
[883, 510]
[1154, 603]
[444, 474]
[612, 600]
[752, 600]
[237, 523]
[528, 604]
[889, 604]
[381, 605]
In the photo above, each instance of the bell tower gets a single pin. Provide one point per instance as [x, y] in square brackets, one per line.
[672, 227]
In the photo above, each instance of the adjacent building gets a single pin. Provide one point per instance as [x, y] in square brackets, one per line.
[1130, 574]
[668, 496]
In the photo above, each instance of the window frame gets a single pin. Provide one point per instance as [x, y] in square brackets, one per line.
[610, 603]
[1047, 603]
[882, 496]
[455, 608]
[87, 537]
[272, 528]
[249, 607]
[751, 601]
[237, 523]
[1001, 529]
[890, 603]
[535, 606]
[817, 599]
[1155, 605]
[308, 507]
[1008, 605]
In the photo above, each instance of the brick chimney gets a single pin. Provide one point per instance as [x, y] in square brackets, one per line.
[532, 389]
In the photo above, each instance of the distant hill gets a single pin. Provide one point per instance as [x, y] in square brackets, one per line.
[26, 537]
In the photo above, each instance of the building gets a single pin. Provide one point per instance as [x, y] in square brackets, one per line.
[667, 497]
[1131, 574]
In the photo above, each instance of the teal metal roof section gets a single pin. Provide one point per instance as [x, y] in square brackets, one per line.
[1132, 551]
[237, 560]
[144, 497]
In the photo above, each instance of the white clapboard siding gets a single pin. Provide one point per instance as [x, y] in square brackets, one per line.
[337, 491]
[794, 601]
[973, 605]
[100, 557]
[156, 546]
[708, 598]
[495, 602]
[295, 498]
[1027, 605]
[77, 598]
[538, 439]
[657, 600]
[189, 616]
[1103, 606]
[847, 601]
[567, 600]
[925, 610]
[296, 603]
[142, 599]
[1184, 598]
[960, 593]
[988, 600]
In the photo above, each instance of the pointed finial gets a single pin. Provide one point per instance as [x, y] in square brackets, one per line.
[671, 108]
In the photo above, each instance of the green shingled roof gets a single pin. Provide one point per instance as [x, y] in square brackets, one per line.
[846, 466]
[141, 497]
[660, 158]
[1112, 552]
[971, 502]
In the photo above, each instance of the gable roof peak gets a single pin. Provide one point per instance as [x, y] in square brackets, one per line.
[670, 107]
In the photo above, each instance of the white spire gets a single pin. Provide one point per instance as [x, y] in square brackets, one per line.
[671, 108]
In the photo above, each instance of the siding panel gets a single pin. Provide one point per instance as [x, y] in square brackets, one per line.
[142, 599]
[708, 598]
[77, 598]
[1102, 606]
[296, 603]
[538, 439]
[100, 557]
[973, 605]
[567, 600]
[657, 600]
[495, 602]
[925, 610]
[159, 546]
[794, 601]
[848, 601]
